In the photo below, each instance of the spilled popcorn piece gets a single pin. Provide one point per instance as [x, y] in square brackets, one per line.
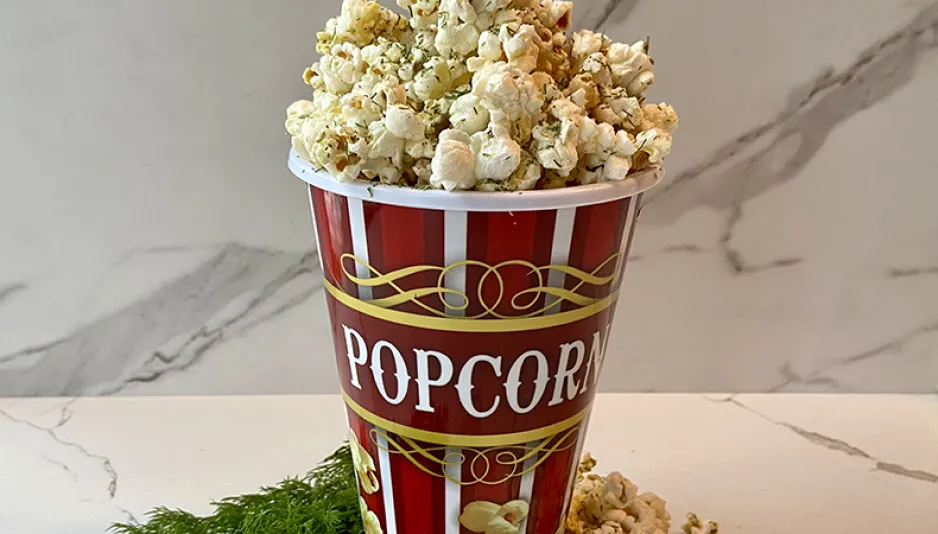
[611, 504]
[694, 526]
[394, 98]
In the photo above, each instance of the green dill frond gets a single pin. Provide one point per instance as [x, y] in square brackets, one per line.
[325, 501]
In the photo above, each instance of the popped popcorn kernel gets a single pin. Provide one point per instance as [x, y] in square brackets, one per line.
[612, 505]
[489, 95]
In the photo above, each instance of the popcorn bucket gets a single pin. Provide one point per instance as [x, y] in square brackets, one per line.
[470, 330]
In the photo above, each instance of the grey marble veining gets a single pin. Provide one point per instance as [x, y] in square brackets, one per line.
[791, 248]
[597, 16]
[744, 168]
[169, 330]
[791, 457]
[10, 290]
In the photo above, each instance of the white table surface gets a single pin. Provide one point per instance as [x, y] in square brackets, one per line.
[762, 464]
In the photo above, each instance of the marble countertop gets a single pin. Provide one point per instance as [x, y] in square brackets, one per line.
[761, 464]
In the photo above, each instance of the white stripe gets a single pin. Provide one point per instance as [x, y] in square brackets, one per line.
[455, 234]
[560, 251]
[629, 218]
[387, 488]
[580, 439]
[527, 486]
[356, 217]
[453, 490]
[312, 211]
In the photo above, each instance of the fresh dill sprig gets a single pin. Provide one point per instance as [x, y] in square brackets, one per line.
[325, 501]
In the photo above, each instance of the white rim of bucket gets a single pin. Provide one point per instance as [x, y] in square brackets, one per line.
[546, 199]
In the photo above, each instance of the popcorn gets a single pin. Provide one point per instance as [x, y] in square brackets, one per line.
[384, 58]
[556, 14]
[547, 86]
[360, 22]
[468, 114]
[489, 95]
[616, 168]
[384, 144]
[436, 112]
[389, 92]
[489, 6]
[507, 91]
[653, 146]
[526, 175]
[402, 122]
[597, 67]
[496, 154]
[459, 8]
[419, 149]
[359, 110]
[342, 68]
[660, 117]
[453, 165]
[432, 81]
[625, 145]
[596, 138]
[520, 47]
[583, 92]
[297, 114]
[631, 67]
[587, 43]
[557, 146]
[694, 526]
[455, 36]
[612, 505]
[490, 47]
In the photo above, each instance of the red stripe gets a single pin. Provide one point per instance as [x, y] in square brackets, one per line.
[550, 487]
[336, 238]
[323, 226]
[496, 237]
[596, 237]
[511, 238]
[476, 249]
[401, 238]
[433, 249]
[413, 492]
[602, 241]
[572, 463]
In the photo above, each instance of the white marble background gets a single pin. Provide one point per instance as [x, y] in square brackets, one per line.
[152, 240]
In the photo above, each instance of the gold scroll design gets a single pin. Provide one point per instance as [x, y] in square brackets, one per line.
[520, 459]
[534, 292]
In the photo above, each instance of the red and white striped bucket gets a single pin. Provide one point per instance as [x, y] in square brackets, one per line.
[470, 329]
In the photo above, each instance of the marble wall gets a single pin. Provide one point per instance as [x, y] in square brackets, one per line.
[152, 240]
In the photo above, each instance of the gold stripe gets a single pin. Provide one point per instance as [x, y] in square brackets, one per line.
[457, 324]
[464, 440]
